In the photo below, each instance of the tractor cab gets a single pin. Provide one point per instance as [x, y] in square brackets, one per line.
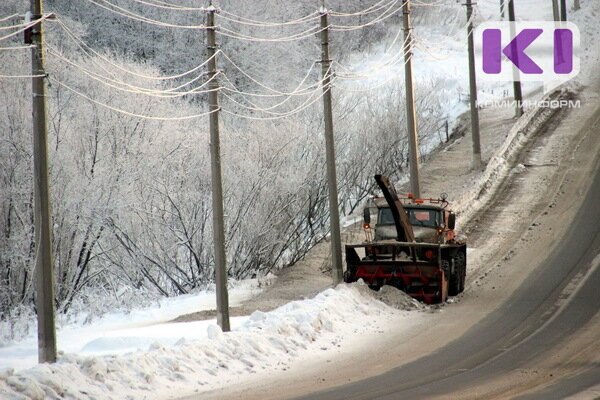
[430, 220]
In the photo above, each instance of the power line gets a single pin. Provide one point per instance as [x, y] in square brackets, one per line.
[296, 36]
[26, 26]
[305, 106]
[7, 27]
[440, 3]
[21, 76]
[9, 17]
[137, 17]
[125, 112]
[426, 47]
[383, 16]
[375, 7]
[164, 93]
[255, 108]
[304, 92]
[87, 49]
[373, 87]
[169, 6]
[266, 24]
[247, 75]
[392, 61]
[15, 48]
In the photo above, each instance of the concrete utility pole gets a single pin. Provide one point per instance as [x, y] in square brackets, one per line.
[42, 210]
[555, 10]
[473, 92]
[516, 83]
[334, 213]
[563, 10]
[217, 184]
[411, 118]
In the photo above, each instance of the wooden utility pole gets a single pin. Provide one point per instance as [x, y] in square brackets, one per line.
[555, 10]
[476, 164]
[516, 82]
[334, 213]
[563, 10]
[217, 184]
[411, 118]
[44, 262]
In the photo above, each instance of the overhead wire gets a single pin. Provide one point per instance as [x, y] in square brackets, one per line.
[255, 107]
[373, 87]
[9, 17]
[295, 111]
[427, 46]
[296, 36]
[7, 27]
[418, 42]
[393, 61]
[16, 47]
[26, 26]
[130, 14]
[367, 74]
[129, 113]
[256, 81]
[21, 76]
[309, 91]
[266, 24]
[375, 7]
[87, 49]
[298, 91]
[389, 11]
[166, 3]
[126, 87]
[169, 6]
[418, 3]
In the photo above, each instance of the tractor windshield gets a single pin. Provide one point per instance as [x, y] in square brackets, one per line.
[428, 218]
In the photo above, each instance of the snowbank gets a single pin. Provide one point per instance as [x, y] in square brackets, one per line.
[112, 333]
[260, 342]
[502, 162]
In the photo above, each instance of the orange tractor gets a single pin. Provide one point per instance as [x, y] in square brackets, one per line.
[414, 247]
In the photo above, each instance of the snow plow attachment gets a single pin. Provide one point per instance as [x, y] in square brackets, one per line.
[424, 274]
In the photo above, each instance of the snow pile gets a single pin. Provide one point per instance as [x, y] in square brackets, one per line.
[260, 342]
[124, 331]
[392, 296]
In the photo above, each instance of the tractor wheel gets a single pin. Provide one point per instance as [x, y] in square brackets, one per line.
[348, 276]
[461, 267]
[454, 279]
[376, 285]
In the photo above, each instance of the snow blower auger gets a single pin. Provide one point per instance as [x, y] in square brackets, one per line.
[414, 247]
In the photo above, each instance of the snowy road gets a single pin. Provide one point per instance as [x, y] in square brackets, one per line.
[528, 322]
[547, 333]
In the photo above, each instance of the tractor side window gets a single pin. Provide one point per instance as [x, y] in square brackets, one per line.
[385, 217]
